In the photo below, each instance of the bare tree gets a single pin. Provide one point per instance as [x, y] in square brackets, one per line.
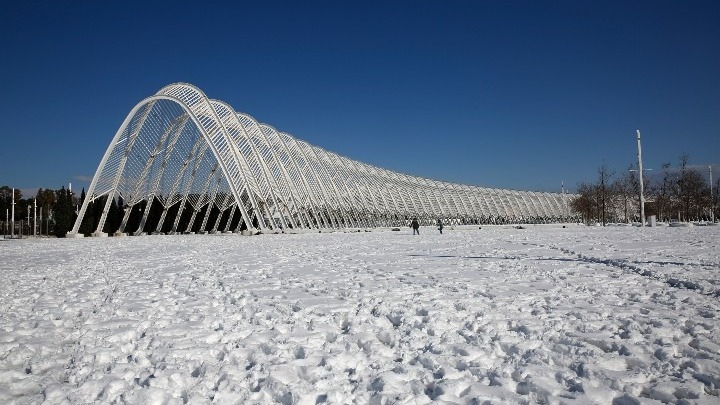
[662, 194]
[605, 200]
[627, 189]
[715, 200]
[683, 192]
[691, 192]
[596, 202]
[585, 203]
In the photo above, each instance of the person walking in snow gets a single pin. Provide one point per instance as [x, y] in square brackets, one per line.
[440, 226]
[415, 225]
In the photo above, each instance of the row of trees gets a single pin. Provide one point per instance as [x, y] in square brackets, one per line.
[680, 193]
[55, 211]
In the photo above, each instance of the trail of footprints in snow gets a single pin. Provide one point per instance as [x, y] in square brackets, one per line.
[625, 265]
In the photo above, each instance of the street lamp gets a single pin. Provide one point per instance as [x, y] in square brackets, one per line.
[712, 203]
[565, 207]
[12, 222]
[641, 187]
[640, 173]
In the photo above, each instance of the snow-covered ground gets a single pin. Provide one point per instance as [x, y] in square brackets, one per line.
[576, 315]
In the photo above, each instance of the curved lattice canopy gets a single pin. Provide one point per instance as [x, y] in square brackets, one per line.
[181, 162]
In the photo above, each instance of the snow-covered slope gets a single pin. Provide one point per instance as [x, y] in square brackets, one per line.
[571, 315]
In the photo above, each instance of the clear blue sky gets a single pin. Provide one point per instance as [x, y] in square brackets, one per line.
[511, 94]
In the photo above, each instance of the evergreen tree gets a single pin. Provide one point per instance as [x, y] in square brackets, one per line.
[133, 222]
[97, 210]
[46, 202]
[112, 222]
[63, 213]
[119, 214]
[86, 227]
[72, 202]
[5, 198]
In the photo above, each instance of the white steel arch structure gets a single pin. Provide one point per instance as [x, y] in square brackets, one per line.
[184, 156]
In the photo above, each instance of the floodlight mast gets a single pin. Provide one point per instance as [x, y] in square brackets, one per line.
[12, 223]
[712, 203]
[640, 173]
[565, 205]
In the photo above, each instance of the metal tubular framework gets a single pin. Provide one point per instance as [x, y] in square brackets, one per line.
[184, 155]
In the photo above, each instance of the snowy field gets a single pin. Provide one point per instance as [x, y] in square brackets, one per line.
[581, 315]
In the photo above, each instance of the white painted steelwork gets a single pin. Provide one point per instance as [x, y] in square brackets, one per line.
[184, 151]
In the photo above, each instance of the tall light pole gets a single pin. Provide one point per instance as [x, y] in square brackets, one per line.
[712, 203]
[640, 173]
[12, 222]
[35, 218]
[562, 190]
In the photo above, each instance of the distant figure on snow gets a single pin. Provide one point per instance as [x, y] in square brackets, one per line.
[415, 225]
[440, 226]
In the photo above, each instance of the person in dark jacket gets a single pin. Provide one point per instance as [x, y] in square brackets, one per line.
[415, 225]
[440, 226]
